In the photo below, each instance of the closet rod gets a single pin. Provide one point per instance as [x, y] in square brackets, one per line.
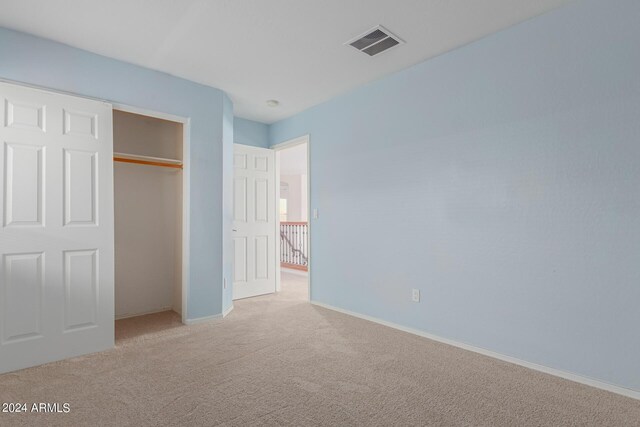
[147, 162]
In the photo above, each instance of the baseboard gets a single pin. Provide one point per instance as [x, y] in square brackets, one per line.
[130, 315]
[202, 319]
[634, 394]
[227, 311]
[207, 318]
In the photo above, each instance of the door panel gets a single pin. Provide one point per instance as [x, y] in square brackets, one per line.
[80, 187]
[240, 199]
[262, 257]
[24, 182]
[239, 259]
[254, 222]
[56, 234]
[24, 286]
[262, 200]
[80, 289]
[80, 123]
[25, 116]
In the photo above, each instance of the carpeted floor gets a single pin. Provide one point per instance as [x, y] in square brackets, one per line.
[277, 360]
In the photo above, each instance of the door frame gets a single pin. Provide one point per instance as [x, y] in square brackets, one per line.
[186, 189]
[304, 139]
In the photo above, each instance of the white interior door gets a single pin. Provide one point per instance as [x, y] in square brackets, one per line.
[56, 235]
[254, 222]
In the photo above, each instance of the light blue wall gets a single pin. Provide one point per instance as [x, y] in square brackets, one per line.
[248, 132]
[502, 179]
[29, 59]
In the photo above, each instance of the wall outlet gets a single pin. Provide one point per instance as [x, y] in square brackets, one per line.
[315, 213]
[224, 283]
[415, 295]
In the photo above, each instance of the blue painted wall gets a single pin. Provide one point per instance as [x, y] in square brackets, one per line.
[248, 132]
[33, 60]
[501, 179]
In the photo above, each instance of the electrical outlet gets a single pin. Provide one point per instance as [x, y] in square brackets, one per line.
[315, 213]
[224, 283]
[415, 295]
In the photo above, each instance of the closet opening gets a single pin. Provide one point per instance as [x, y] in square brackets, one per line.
[149, 204]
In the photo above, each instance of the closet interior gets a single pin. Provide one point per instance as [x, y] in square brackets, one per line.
[148, 214]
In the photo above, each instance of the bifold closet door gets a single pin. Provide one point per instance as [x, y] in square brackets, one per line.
[56, 235]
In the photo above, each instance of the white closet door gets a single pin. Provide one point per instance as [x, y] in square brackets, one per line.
[254, 222]
[56, 234]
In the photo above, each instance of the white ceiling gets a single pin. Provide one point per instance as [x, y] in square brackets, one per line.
[293, 160]
[255, 50]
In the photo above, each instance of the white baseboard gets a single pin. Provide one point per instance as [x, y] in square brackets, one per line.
[634, 394]
[202, 319]
[130, 315]
[207, 318]
[227, 311]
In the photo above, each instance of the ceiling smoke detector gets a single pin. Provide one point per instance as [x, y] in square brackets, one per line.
[273, 102]
[375, 41]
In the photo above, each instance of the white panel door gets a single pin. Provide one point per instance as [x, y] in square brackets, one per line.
[56, 231]
[254, 222]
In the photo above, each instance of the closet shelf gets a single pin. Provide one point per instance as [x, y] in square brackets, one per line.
[147, 160]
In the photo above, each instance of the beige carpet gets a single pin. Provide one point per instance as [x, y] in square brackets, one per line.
[277, 360]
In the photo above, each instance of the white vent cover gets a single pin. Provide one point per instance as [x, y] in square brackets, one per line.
[375, 41]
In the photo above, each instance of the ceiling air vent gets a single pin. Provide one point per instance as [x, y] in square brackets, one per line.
[375, 41]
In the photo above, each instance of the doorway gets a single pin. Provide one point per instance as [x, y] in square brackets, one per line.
[150, 227]
[294, 211]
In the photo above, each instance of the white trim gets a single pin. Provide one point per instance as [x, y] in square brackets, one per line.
[208, 318]
[150, 113]
[148, 158]
[129, 316]
[227, 311]
[634, 394]
[53, 90]
[202, 319]
[291, 143]
[186, 216]
[186, 189]
[277, 241]
[304, 139]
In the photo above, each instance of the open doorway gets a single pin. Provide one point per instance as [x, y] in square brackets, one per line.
[292, 179]
[149, 199]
